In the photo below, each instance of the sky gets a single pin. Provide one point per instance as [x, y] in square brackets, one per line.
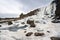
[12, 8]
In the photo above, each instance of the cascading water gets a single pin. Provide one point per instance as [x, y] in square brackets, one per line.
[47, 13]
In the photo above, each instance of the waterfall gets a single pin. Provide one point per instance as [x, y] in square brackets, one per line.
[47, 13]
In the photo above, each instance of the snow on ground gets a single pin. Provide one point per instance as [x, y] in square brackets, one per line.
[20, 35]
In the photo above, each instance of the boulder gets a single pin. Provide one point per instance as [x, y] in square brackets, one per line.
[31, 23]
[29, 33]
[9, 23]
[55, 38]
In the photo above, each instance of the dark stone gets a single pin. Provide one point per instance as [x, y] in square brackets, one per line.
[52, 15]
[55, 21]
[9, 23]
[39, 34]
[55, 38]
[57, 12]
[48, 31]
[22, 23]
[46, 14]
[0, 25]
[31, 23]
[29, 33]
[25, 31]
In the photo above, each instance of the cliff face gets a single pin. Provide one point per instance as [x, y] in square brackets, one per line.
[57, 12]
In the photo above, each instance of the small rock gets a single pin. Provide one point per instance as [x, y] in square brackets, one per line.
[48, 31]
[0, 25]
[31, 23]
[29, 33]
[9, 23]
[22, 23]
[38, 34]
[55, 38]
[24, 31]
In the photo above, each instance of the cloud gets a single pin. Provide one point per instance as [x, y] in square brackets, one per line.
[10, 6]
[18, 6]
[31, 4]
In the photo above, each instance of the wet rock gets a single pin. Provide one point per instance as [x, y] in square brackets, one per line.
[57, 11]
[39, 34]
[9, 23]
[46, 14]
[39, 30]
[48, 31]
[55, 38]
[55, 21]
[0, 25]
[31, 23]
[22, 23]
[29, 33]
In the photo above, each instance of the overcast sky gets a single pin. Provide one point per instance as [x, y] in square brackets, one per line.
[18, 6]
